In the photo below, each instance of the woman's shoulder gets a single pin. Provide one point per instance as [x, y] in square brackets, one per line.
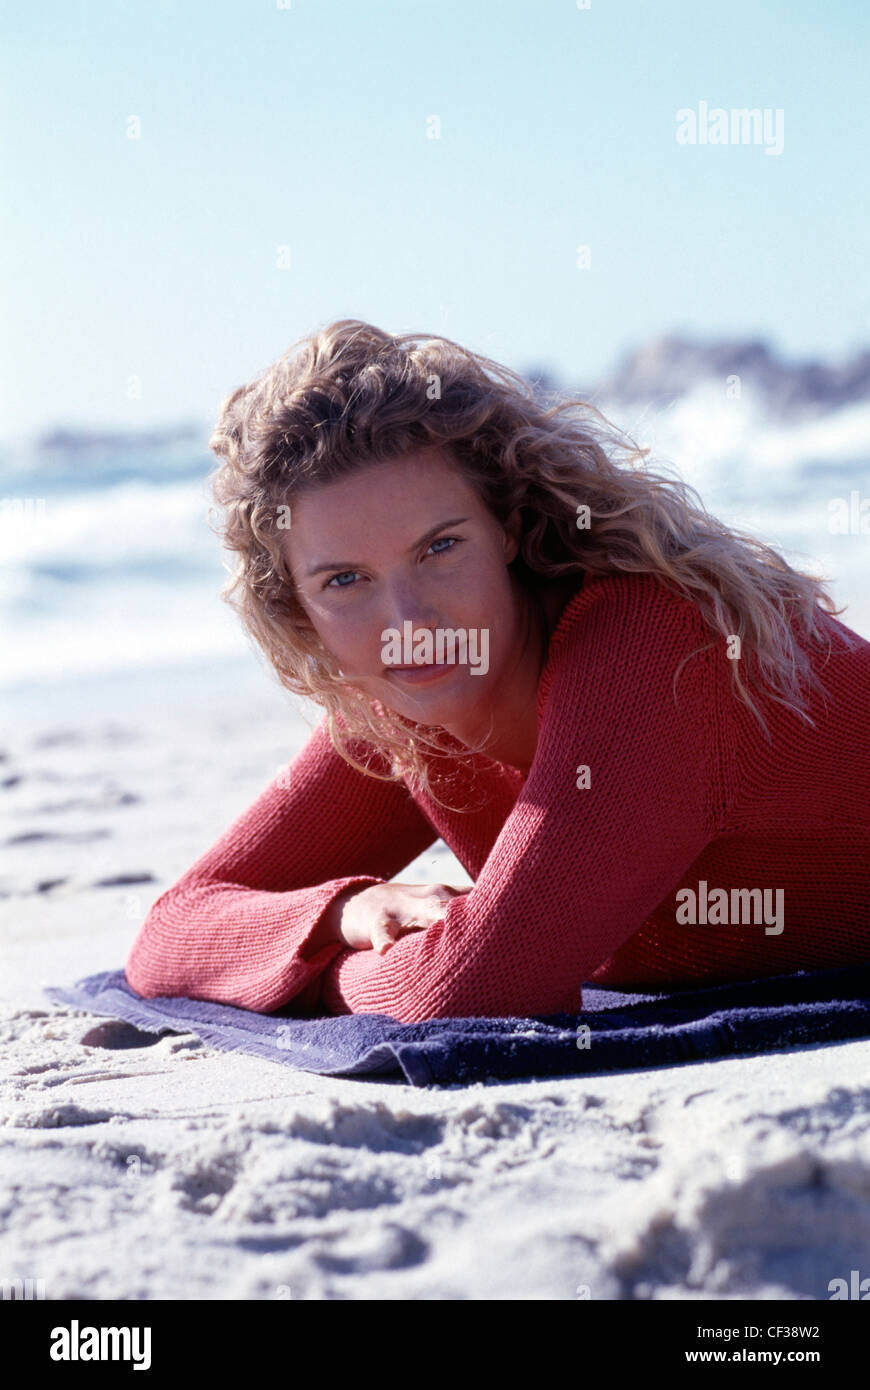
[624, 623]
[627, 601]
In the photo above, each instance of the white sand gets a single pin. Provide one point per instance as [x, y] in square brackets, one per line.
[176, 1171]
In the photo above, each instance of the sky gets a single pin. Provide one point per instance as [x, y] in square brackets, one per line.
[191, 187]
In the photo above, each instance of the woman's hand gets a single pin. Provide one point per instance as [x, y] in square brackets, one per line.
[374, 917]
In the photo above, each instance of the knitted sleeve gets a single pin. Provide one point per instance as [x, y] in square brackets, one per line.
[234, 927]
[586, 855]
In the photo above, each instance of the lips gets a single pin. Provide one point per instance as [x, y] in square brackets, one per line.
[424, 671]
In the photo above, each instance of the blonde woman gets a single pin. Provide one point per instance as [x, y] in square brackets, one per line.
[629, 744]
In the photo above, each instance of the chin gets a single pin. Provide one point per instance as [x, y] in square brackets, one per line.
[445, 707]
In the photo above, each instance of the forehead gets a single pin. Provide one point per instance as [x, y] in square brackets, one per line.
[386, 500]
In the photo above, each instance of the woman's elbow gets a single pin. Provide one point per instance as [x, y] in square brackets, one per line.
[151, 967]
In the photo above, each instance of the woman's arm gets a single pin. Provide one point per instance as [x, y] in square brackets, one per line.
[244, 925]
[575, 871]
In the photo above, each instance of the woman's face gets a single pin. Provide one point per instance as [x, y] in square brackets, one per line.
[409, 542]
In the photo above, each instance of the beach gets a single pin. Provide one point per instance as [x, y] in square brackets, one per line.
[252, 252]
[156, 1167]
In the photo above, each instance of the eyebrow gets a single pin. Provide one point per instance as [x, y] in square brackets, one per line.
[342, 565]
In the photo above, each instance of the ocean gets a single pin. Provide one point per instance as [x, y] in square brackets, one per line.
[110, 575]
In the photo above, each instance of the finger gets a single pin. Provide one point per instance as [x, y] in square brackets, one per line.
[436, 908]
[389, 934]
[439, 898]
[396, 924]
[384, 935]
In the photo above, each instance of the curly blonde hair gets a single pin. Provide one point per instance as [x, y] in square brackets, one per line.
[353, 395]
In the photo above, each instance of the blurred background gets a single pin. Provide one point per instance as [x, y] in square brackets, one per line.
[568, 188]
[189, 188]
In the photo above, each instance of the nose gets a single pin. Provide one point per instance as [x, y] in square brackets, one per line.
[407, 604]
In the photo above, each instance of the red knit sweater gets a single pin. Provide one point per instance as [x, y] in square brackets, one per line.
[572, 883]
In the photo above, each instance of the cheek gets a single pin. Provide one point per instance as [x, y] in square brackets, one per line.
[352, 641]
[490, 603]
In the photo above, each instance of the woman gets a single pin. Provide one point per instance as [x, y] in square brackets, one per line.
[635, 726]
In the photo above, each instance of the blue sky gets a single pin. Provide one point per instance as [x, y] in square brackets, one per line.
[305, 127]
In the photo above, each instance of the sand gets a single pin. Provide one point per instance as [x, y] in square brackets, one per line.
[171, 1170]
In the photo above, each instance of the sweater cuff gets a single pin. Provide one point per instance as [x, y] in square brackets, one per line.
[305, 981]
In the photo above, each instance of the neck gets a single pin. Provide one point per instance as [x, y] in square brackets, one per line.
[512, 735]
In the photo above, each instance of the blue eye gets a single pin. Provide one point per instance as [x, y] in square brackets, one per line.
[454, 541]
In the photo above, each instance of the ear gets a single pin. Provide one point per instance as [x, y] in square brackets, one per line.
[512, 533]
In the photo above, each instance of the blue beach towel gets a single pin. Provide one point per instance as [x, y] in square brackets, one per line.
[615, 1032]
